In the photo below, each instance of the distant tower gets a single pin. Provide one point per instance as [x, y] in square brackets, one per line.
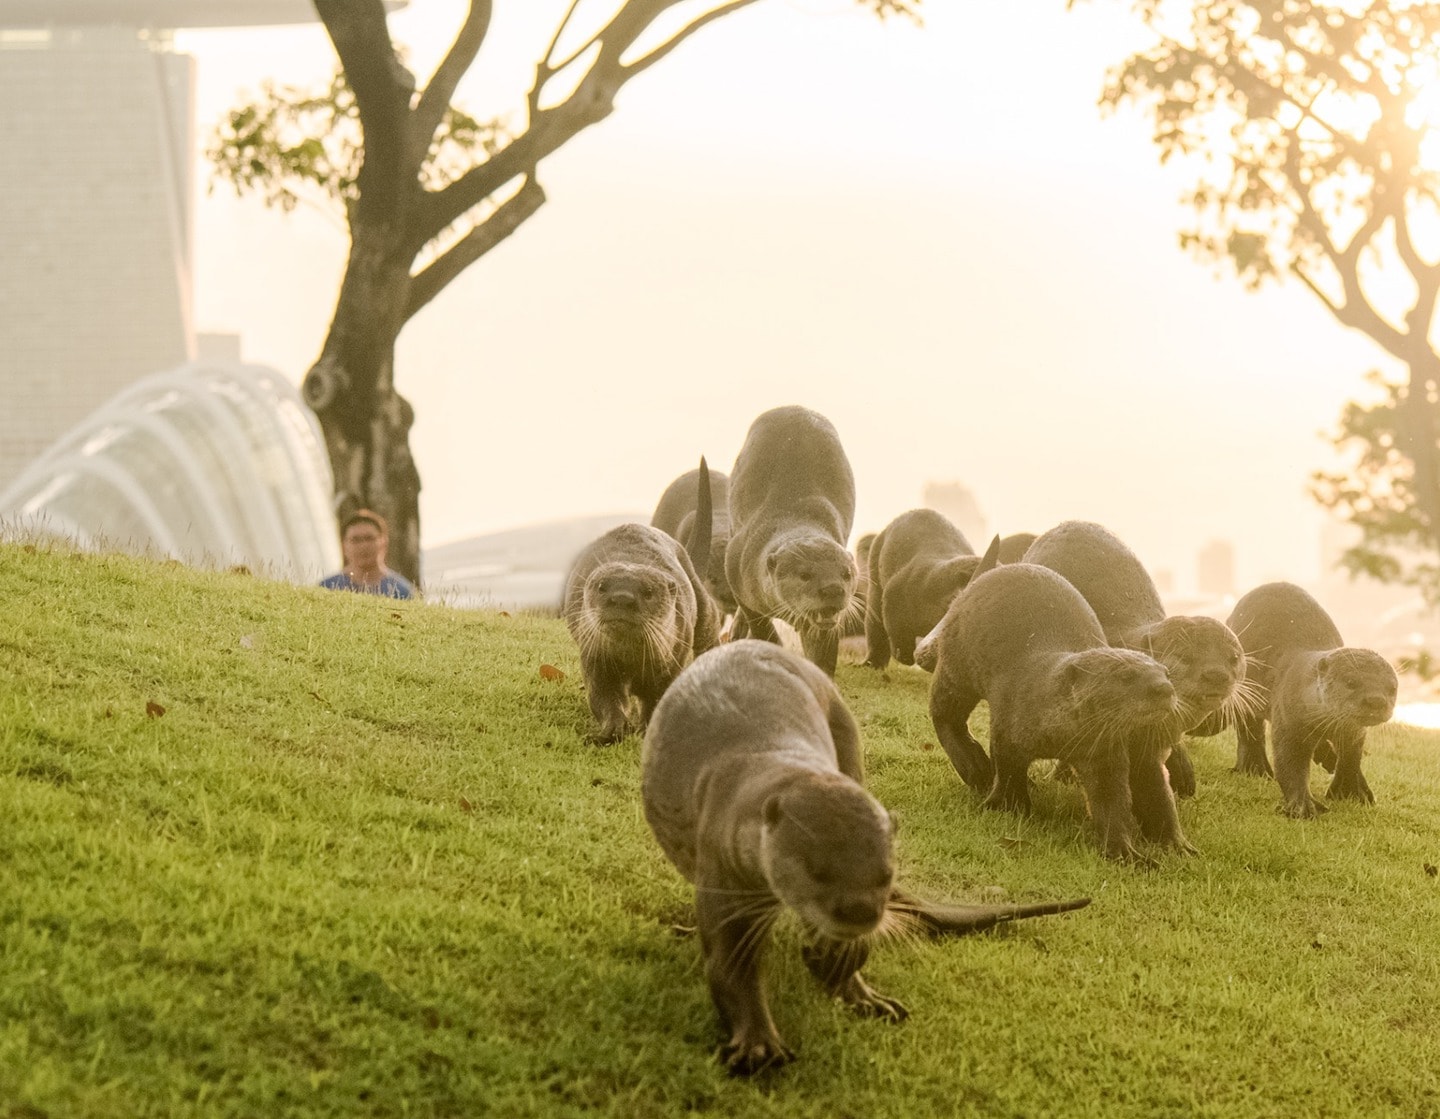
[1215, 568]
[97, 126]
[958, 503]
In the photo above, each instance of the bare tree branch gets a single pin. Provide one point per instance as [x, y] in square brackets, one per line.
[507, 218]
[661, 51]
[441, 88]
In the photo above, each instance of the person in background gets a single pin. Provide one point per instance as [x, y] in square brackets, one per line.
[363, 539]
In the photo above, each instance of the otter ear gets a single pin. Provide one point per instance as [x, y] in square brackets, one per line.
[771, 562]
[1069, 676]
[1323, 663]
[772, 812]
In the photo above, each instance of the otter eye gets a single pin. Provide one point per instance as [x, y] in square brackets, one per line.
[807, 575]
[602, 586]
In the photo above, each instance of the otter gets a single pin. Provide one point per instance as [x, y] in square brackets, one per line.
[1012, 550]
[918, 563]
[1318, 694]
[752, 783]
[1013, 547]
[676, 513]
[1202, 656]
[792, 504]
[639, 613]
[1022, 638]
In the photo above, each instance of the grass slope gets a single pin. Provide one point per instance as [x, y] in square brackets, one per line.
[363, 864]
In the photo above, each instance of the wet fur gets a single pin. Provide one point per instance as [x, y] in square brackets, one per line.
[753, 785]
[917, 564]
[792, 506]
[1202, 657]
[640, 614]
[1021, 638]
[1318, 695]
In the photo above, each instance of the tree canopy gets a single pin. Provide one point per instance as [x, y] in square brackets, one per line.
[1313, 131]
[426, 191]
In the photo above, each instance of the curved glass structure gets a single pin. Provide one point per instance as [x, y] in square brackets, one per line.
[210, 464]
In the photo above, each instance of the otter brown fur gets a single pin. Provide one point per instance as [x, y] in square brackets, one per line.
[753, 785]
[1318, 694]
[1021, 637]
[675, 513]
[1201, 655]
[1014, 546]
[639, 613]
[918, 563]
[792, 505]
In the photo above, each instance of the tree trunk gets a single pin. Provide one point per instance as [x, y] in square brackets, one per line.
[1419, 429]
[351, 388]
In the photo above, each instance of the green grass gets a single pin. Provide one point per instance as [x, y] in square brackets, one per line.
[363, 864]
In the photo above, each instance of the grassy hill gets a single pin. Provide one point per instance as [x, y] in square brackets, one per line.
[286, 852]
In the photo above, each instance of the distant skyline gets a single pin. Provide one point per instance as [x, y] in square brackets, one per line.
[930, 235]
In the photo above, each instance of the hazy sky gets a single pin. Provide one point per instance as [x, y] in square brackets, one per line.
[929, 235]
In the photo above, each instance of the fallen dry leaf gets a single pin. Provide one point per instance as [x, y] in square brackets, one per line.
[504, 613]
[1431, 869]
[1010, 842]
[927, 745]
[550, 672]
[465, 805]
[153, 709]
[247, 641]
[319, 698]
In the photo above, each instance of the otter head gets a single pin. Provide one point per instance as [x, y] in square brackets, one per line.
[630, 601]
[1116, 686]
[814, 578]
[1358, 685]
[1203, 659]
[825, 850]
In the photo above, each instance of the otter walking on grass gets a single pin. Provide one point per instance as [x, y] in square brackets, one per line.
[752, 784]
[639, 613]
[1318, 695]
[792, 505]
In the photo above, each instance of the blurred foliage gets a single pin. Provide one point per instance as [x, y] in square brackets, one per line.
[289, 145]
[1376, 494]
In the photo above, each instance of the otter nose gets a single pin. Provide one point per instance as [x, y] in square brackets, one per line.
[1215, 678]
[621, 598]
[1160, 691]
[856, 912]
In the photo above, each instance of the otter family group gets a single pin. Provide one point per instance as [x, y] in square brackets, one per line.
[752, 775]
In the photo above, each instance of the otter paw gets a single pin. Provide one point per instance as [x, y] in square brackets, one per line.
[604, 736]
[746, 1057]
[876, 1005]
[1254, 768]
[1305, 809]
[1351, 791]
[1125, 851]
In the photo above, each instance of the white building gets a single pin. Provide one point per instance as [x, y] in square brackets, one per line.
[97, 133]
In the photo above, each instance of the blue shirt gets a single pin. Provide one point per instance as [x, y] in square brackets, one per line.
[391, 585]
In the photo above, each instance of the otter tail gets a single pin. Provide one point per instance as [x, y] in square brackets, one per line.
[957, 920]
[989, 561]
[703, 526]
